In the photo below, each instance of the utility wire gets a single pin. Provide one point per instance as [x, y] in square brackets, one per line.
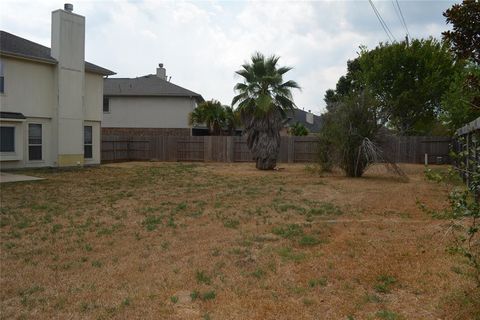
[382, 22]
[403, 18]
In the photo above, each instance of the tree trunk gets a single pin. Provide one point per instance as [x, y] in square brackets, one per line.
[263, 139]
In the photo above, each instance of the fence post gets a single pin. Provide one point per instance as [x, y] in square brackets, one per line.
[114, 149]
[230, 149]
[291, 150]
[207, 148]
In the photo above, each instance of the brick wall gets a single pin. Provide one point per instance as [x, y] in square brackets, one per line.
[142, 132]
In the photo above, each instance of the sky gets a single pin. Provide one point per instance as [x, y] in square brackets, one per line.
[203, 43]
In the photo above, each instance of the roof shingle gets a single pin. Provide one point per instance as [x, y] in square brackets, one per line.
[149, 85]
[13, 45]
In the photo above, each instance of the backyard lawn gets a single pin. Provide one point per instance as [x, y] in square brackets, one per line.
[225, 241]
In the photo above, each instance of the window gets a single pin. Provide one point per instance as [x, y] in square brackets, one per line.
[7, 139]
[87, 142]
[2, 78]
[106, 104]
[34, 141]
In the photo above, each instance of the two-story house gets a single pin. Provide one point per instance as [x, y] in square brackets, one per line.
[50, 98]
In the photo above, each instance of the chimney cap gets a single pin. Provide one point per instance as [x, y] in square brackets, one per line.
[160, 65]
[68, 7]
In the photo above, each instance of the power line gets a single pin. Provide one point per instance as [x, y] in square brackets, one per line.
[403, 18]
[382, 22]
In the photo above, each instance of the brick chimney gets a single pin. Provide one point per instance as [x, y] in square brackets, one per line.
[161, 72]
[309, 117]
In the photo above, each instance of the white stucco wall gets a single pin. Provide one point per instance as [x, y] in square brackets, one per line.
[93, 97]
[29, 87]
[148, 112]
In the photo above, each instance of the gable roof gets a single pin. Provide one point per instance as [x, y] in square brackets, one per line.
[14, 46]
[146, 86]
[300, 116]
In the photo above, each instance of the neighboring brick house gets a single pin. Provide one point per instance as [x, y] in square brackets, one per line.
[147, 105]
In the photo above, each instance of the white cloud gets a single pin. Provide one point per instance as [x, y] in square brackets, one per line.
[203, 43]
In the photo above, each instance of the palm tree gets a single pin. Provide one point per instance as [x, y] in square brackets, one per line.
[263, 100]
[232, 119]
[211, 113]
[298, 130]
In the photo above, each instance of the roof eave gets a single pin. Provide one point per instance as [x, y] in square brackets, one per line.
[104, 72]
[26, 57]
[101, 71]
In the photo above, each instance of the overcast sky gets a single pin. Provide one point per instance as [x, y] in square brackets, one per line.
[203, 43]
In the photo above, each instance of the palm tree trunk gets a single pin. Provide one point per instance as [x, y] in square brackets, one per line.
[263, 139]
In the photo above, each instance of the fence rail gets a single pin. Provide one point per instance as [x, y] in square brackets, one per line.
[234, 149]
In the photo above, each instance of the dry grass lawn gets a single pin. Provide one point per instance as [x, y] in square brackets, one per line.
[225, 241]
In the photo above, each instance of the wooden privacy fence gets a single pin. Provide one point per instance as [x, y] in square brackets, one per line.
[234, 149]
[467, 150]
[206, 148]
[414, 149]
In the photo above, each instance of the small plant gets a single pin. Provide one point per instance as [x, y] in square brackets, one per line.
[174, 299]
[96, 264]
[171, 222]
[151, 222]
[231, 223]
[289, 231]
[258, 273]
[317, 282]
[288, 254]
[202, 277]
[126, 302]
[325, 209]
[165, 245]
[56, 227]
[384, 284]
[308, 240]
[209, 295]
[181, 206]
[387, 315]
[195, 295]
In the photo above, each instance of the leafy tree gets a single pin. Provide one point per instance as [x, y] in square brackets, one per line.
[407, 79]
[211, 113]
[465, 36]
[298, 129]
[461, 103]
[262, 101]
[346, 131]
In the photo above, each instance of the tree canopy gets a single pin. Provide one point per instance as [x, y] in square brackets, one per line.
[407, 79]
[465, 36]
[215, 116]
